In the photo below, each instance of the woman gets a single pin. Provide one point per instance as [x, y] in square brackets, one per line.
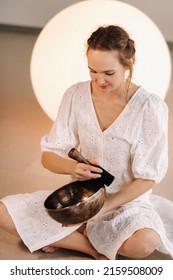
[119, 125]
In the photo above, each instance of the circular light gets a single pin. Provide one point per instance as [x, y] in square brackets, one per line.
[58, 59]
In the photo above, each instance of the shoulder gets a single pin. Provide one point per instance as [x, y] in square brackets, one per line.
[71, 100]
[143, 100]
[77, 88]
[76, 95]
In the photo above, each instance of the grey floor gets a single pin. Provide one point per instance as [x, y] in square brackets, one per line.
[22, 123]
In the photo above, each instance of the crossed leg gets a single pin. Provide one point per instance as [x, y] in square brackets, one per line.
[75, 241]
[141, 244]
[6, 222]
[78, 242]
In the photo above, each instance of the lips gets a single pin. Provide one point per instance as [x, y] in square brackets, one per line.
[103, 87]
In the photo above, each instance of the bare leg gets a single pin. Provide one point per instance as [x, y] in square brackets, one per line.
[78, 242]
[75, 241]
[141, 244]
[5, 220]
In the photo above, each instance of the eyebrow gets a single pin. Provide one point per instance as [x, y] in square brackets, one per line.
[110, 70]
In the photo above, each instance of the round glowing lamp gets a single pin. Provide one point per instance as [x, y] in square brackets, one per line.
[59, 55]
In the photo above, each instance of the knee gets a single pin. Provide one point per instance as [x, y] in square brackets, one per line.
[6, 221]
[3, 211]
[141, 244]
[146, 243]
[2, 208]
[144, 248]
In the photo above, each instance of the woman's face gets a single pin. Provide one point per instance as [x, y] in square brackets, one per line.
[106, 72]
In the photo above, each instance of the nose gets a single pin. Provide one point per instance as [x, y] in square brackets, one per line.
[100, 79]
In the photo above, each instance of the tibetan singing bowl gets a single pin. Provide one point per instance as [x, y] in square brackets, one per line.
[76, 202]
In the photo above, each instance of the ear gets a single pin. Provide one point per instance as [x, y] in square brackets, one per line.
[131, 62]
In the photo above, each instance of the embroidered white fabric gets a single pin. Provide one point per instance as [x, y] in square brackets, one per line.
[133, 146]
[118, 225]
[35, 227]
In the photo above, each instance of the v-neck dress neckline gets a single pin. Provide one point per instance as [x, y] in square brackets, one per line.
[111, 126]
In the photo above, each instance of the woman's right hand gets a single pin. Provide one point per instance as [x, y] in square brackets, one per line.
[85, 171]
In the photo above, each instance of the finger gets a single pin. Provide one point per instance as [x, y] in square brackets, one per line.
[70, 225]
[86, 171]
[82, 179]
[87, 167]
[86, 174]
[92, 161]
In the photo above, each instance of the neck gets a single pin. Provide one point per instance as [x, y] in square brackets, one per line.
[120, 93]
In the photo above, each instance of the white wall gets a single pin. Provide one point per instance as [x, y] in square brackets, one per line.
[33, 13]
[160, 11]
[36, 13]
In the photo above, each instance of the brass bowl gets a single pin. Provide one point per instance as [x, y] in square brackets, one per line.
[76, 202]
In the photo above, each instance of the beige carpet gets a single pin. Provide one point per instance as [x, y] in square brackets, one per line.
[22, 123]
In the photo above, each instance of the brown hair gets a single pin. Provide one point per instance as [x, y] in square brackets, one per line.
[114, 37]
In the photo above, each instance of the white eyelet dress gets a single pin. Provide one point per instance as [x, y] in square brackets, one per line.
[133, 146]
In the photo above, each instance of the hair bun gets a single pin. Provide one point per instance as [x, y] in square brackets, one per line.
[129, 48]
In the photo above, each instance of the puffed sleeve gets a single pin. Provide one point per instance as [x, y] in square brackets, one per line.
[63, 135]
[149, 151]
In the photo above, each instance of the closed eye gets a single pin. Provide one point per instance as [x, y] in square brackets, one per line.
[110, 74]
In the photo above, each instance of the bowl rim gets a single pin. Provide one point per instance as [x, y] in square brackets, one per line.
[102, 188]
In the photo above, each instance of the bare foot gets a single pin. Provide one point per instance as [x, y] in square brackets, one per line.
[49, 249]
[96, 255]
